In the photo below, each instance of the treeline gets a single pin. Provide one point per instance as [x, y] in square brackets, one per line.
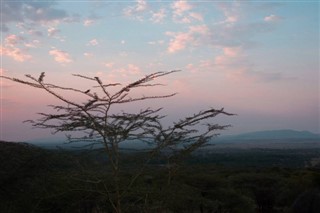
[37, 180]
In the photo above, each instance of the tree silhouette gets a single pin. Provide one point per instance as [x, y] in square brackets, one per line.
[97, 122]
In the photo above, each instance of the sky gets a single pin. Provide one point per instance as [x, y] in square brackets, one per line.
[257, 59]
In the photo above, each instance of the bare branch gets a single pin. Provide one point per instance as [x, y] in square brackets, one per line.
[143, 98]
[108, 85]
[96, 121]
[85, 77]
[21, 81]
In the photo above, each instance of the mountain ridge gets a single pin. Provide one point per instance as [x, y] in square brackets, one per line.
[272, 135]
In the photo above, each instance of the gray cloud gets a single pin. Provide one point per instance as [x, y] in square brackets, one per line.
[269, 76]
[238, 34]
[30, 11]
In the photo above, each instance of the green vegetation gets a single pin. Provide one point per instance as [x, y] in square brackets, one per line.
[37, 180]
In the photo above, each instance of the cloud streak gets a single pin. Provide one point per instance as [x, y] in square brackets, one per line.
[236, 66]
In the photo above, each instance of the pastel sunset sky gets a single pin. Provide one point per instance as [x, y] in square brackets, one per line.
[258, 59]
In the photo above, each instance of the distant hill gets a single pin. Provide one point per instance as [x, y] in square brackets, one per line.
[273, 135]
[272, 139]
[276, 138]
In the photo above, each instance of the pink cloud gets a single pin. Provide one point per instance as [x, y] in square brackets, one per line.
[200, 29]
[238, 74]
[196, 16]
[231, 51]
[180, 7]
[201, 66]
[109, 64]
[9, 48]
[157, 17]
[60, 56]
[88, 22]
[231, 10]
[15, 53]
[12, 40]
[93, 42]
[272, 18]
[231, 56]
[231, 18]
[181, 40]
[33, 44]
[53, 31]
[183, 20]
[88, 55]
[182, 13]
[129, 70]
[192, 68]
[221, 60]
[237, 67]
[141, 6]
[159, 42]
[134, 69]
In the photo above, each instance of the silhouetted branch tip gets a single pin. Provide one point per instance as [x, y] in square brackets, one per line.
[41, 77]
[98, 80]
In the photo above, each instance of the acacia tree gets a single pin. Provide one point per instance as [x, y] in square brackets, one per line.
[100, 124]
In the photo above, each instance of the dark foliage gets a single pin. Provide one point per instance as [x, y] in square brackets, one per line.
[37, 180]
